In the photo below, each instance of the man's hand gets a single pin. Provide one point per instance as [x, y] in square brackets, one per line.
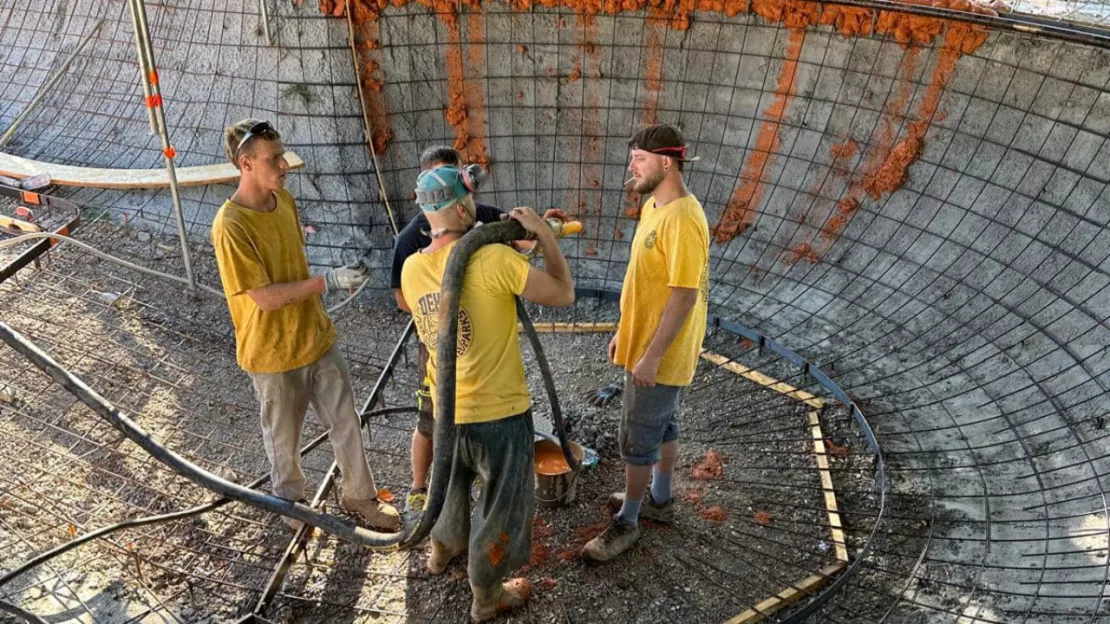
[645, 372]
[555, 213]
[345, 278]
[529, 220]
[613, 350]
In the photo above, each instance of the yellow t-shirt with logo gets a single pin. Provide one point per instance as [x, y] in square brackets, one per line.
[490, 382]
[256, 249]
[670, 249]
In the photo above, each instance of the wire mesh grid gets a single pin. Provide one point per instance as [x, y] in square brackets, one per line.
[170, 365]
[964, 310]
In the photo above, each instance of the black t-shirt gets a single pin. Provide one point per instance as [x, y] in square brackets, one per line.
[412, 239]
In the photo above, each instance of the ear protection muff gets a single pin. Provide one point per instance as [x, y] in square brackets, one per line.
[473, 175]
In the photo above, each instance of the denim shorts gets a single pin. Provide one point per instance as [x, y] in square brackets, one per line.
[649, 419]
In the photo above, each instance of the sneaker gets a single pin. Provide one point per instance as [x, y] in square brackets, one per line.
[374, 513]
[416, 501]
[439, 556]
[293, 523]
[649, 509]
[511, 594]
[617, 538]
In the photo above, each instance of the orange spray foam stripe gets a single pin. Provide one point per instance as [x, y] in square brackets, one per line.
[741, 209]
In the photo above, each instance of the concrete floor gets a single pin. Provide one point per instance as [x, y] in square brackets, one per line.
[929, 223]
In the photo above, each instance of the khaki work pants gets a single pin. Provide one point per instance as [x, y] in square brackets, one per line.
[285, 397]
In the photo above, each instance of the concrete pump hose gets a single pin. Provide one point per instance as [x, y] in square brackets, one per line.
[443, 448]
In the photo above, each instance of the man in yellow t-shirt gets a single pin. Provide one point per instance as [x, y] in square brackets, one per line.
[493, 422]
[283, 337]
[663, 316]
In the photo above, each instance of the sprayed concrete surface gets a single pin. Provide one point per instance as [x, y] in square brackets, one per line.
[918, 206]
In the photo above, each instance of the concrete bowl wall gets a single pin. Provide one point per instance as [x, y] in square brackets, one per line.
[918, 207]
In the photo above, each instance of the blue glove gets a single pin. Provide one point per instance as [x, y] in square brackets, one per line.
[604, 396]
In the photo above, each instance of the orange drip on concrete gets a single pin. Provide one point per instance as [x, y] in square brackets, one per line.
[741, 210]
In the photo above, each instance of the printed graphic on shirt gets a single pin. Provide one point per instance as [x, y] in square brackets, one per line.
[427, 324]
[650, 241]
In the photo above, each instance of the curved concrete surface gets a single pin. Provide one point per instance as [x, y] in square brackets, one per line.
[928, 221]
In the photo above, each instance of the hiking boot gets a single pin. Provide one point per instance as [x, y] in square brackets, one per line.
[649, 509]
[509, 595]
[375, 513]
[617, 538]
[416, 501]
[293, 523]
[439, 556]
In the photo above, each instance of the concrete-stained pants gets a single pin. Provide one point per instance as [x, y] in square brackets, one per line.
[284, 397]
[499, 537]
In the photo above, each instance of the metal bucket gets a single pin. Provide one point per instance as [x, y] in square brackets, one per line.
[555, 481]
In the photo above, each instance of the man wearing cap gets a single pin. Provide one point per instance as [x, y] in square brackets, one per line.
[283, 337]
[663, 317]
[494, 428]
[412, 238]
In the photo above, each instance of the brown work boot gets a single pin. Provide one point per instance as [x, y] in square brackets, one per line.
[375, 513]
[649, 509]
[506, 597]
[439, 556]
[617, 538]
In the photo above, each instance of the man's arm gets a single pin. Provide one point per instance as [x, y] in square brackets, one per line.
[401, 303]
[679, 304]
[553, 286]
[277, 296]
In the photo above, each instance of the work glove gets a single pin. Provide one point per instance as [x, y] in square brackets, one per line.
[345, 278]
[604, 396]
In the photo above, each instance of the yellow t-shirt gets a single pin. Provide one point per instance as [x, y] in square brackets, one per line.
[670, 249]
[256, 249]
[490, 381]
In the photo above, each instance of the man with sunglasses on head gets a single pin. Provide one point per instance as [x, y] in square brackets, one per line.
[283, 337]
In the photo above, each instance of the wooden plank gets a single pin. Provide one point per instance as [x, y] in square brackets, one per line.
[788, 596]
[837, 529]
[568, 328]
[90, 177]
[769, 382]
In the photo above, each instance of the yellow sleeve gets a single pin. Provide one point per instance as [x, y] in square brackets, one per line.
[504, 270]
[240, 267]
[686, 252]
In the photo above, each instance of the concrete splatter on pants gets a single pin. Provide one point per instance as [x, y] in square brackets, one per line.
[284, 398]
[499, 537]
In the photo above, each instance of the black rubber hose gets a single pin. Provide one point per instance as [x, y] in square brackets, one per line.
[447, 336]
[549, 386]
[23, 614]
[444, 436]
[327, 522]
[42, 558]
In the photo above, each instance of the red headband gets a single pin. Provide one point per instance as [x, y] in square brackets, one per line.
[681, 151]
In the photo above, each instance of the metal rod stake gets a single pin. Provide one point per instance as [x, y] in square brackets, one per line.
[43, 90]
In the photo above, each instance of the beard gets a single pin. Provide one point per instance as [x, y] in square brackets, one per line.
[648, 184]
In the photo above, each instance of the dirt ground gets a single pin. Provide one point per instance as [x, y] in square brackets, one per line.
[748, 526]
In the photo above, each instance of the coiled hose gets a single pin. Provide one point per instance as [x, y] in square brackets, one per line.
[444, 447]
[444, 438]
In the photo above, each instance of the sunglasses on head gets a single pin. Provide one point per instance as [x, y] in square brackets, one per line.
[257, 129]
